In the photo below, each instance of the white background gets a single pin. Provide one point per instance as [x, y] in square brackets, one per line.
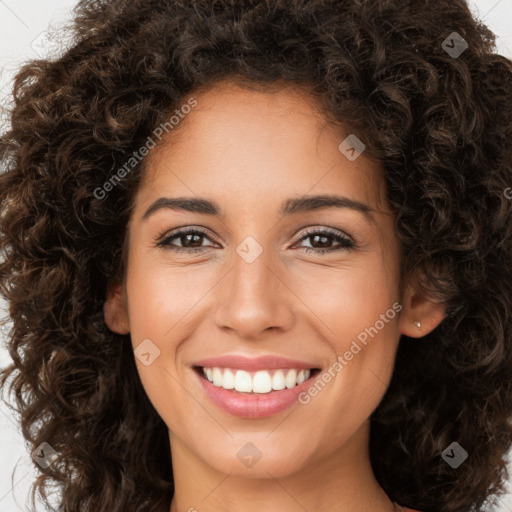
[21, 24]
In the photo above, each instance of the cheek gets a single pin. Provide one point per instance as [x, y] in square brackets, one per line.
[158, 305]
[162, 299]
[367, 307]
[347, 300]
[359, 311]
[164, 306]
[369, 328]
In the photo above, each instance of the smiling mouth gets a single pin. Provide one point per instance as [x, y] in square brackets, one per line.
[256, 382]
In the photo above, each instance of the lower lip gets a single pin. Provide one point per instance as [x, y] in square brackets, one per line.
[253, 405]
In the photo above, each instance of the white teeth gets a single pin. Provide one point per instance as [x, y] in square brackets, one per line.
[278, 381]
[262, 382]
[217, 377]
[243, 381]
[228, 379]
[259, 382]
[291, 379]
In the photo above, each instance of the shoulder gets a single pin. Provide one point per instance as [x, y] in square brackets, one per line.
[404, 509]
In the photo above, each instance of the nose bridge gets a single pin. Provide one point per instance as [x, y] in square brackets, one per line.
[253, 281]
[252, 296]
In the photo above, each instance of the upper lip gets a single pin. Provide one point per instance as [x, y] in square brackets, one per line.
[268, 362]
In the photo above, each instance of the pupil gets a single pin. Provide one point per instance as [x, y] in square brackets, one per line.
[193, 235]
[326, 240]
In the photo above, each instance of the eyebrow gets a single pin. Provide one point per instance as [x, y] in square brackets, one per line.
[289, 207]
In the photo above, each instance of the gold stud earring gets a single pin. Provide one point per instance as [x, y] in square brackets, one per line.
[418, 324]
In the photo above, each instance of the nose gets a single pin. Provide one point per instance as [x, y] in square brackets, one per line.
[254, 297]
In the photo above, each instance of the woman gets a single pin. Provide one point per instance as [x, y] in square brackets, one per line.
[258, 256]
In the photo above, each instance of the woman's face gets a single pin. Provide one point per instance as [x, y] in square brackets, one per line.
[256, 283]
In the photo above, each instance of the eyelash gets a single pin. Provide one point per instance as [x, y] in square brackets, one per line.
[345, 242]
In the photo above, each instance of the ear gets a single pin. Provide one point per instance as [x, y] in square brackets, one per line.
[420, 314]
[115, 310]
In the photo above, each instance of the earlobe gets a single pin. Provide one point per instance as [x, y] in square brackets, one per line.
[115, 310]
[421, 314]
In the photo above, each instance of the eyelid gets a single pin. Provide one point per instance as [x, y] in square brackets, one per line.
[177, 231]
[303, 234]
[345, 241]
[326, 230]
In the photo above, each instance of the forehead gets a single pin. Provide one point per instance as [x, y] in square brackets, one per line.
[238, 141]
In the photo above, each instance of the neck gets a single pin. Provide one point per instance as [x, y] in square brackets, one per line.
[341, 481]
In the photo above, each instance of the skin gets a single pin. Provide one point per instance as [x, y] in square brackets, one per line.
[249, 151]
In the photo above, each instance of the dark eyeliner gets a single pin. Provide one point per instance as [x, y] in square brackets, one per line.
[345, 242]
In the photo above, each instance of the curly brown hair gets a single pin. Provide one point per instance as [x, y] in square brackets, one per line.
[441, 124]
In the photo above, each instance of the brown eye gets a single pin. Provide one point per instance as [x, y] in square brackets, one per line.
[321, 241]
[190, 240]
